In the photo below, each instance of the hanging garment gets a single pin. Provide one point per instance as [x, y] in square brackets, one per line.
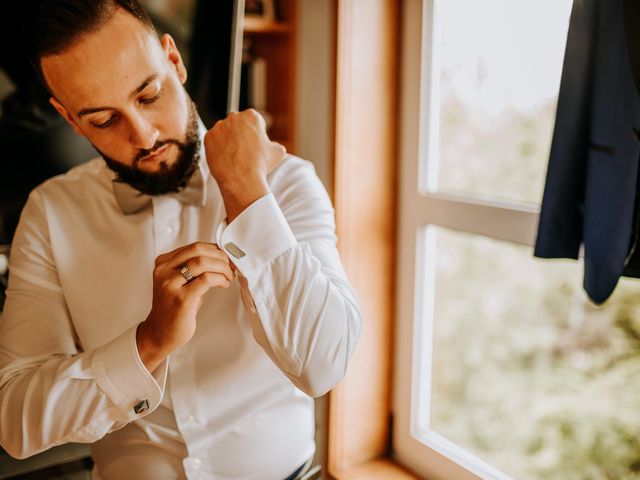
[590, 195]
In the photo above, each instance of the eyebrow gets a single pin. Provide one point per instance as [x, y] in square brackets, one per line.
[143, 85]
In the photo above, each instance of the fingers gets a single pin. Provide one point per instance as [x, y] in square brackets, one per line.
[255, 118]
[181, 255]
[250, 116]
[204, 282]
[198, 266]
[200, 258]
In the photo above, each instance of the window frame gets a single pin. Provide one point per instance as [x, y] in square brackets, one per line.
[369, 35]
[421, 206]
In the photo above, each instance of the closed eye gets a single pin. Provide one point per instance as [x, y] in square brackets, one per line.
[147, 101]
[106, 123]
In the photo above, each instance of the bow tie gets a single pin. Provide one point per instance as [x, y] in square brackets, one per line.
[131, 200]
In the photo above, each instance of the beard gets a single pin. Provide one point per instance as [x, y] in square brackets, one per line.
[169, 178]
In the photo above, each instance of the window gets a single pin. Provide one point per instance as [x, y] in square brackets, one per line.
[503, 368]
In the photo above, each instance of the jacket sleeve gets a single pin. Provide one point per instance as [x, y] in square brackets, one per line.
[304, 312]
[561, 217]
[51, 390]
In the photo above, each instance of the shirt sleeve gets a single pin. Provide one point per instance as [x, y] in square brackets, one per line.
[51, 390]
[304, 312]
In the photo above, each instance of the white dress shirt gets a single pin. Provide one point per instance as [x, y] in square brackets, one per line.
[233, 403]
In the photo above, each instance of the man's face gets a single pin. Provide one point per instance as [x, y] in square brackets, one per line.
[123, 90]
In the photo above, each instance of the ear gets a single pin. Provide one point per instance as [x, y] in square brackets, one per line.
[66, 115]
[174, 57]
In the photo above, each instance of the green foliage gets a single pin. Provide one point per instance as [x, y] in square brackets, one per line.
[528, 374]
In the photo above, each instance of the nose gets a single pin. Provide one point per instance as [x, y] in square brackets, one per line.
[142, 133]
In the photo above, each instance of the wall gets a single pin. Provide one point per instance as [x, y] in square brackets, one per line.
[315, 83]
[315, 79]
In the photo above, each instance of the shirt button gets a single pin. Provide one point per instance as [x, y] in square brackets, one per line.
[197, 463]
[4, 264]
[187, 419]
[168, 229]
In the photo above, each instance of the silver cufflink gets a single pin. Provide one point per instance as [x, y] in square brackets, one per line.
[141, 407]
[234, 250]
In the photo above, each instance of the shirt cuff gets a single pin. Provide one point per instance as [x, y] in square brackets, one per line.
[122, 376]
[257, 236]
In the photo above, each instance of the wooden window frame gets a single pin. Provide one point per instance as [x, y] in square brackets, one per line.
[365, 170]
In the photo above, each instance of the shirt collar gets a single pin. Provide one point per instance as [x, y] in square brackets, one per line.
[131, 200]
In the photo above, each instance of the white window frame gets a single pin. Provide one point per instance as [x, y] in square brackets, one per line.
[420, 206]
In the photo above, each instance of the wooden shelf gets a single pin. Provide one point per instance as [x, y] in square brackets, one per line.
[256, 25]
[274, 43]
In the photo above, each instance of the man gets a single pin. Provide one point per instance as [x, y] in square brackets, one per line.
[179, 300]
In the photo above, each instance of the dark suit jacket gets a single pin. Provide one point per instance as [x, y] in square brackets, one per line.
[590, 196]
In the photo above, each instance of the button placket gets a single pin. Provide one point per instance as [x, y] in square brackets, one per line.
[166, 221]
[187, 419]
[192, 464]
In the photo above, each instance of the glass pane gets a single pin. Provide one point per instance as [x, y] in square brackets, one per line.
[528, 375]
[500, 67]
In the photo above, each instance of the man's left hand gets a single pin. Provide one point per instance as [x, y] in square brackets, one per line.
[240, 155]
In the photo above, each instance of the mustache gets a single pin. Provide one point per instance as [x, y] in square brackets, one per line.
[148, 151]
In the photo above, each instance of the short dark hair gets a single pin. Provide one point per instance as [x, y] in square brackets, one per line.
[54, 25]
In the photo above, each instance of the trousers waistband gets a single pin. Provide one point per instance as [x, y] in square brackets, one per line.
[300, 471]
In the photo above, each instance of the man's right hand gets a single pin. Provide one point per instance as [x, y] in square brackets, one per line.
[172, 320]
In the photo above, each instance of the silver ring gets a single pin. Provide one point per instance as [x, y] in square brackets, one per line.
[186, 273]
